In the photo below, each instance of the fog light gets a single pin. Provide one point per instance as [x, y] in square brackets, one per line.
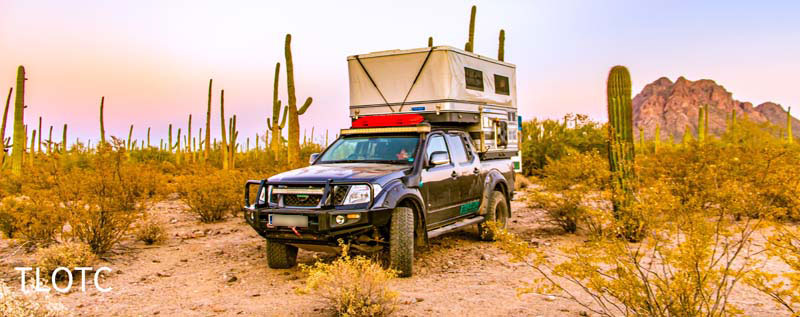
[353, 216]
[340, 219]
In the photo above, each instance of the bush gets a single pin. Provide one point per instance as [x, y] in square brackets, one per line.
[211, 194]
[783, 289]
[33, 221]
[102, 201]
[548, 140]
[352, 286]
[521, 182]
[151, 232]
[27, 305]
[70, 255]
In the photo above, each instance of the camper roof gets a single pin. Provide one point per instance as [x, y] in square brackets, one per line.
[425, 49]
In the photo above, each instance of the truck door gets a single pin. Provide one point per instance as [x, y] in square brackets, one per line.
[467, 167]
[438, 183]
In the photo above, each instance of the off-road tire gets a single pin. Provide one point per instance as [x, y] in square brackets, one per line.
[401, 241]
[281, 256]
[498, 212]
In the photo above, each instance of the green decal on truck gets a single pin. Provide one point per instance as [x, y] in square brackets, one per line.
[469, 207]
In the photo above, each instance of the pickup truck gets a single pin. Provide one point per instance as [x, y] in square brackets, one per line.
[381, 189]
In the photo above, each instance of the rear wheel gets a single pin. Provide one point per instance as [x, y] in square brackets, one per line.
[401, 241]
[281, 256]
[498, 213]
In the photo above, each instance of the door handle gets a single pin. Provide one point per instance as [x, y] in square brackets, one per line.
[476, 171]
[454, 174]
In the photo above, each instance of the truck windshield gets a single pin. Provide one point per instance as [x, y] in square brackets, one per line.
[372, 149]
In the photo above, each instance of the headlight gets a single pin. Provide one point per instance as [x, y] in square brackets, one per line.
[359, 194]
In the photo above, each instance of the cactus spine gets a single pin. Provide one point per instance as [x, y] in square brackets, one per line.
[273, 126]
[471, 41]
[102, 124]
[3, 129]
[501, 51]
[19, 126]
[224, 146]
[294, 113]
[620, 136]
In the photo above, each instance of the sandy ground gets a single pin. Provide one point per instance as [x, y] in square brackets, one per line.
[220, 269]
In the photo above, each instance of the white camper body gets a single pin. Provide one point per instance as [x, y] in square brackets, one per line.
[448, 86]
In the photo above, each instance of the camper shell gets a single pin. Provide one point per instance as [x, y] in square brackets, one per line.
[448, 86]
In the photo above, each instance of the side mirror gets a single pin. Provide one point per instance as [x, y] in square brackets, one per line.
[313, 158]
[439, 158]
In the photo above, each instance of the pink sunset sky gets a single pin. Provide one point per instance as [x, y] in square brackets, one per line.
[152, 59]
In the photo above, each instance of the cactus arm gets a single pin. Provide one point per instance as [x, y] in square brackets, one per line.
[471, 42]
[269, 124]
[3, 129]
[283, 120]
[130, 133]
[305, 106]
[430, 41]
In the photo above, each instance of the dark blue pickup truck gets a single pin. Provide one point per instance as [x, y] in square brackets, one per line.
[388, 188]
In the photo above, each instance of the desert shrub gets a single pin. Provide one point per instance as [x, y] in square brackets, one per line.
[151, 232]
[27, 305]
[102, 201]
[352, 286]
[521, 182]
[212, 194]
[35, 221]
[572, 187]
[783, 289]
[69, 254]
[548, 140]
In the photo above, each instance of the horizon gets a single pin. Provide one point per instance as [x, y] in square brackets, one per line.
[152, 60]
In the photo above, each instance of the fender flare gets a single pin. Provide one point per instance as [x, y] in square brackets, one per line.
[494, 178]
[394, 193]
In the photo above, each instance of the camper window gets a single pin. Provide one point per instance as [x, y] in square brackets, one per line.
[474, 78]
[501, 85]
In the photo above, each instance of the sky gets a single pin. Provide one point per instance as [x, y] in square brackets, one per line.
[152, 59]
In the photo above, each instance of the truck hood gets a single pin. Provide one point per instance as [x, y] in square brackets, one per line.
[349, 172]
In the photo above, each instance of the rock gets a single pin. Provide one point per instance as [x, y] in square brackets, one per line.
[550, 298]
[583, 313]
[173, 220]
[674, 106]
[485, 257]
[419, 299]
[450, 263]
[255, 295]
[184, 260]
[159, 274]
[232, 279]
[156, 261]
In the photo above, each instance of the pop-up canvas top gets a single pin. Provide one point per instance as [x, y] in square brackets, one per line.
[437, 79]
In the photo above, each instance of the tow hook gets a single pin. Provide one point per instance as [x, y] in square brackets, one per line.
[294, 229]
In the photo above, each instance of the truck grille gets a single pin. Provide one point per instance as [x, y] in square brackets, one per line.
[296, 200]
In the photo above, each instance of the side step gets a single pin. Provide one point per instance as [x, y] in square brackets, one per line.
[460, 224]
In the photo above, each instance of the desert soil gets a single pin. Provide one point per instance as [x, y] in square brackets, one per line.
[220, 269]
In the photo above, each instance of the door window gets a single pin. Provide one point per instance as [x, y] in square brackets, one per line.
[435, 143]
[459, 154]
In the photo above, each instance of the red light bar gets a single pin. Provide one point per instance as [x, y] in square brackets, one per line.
[392, 120]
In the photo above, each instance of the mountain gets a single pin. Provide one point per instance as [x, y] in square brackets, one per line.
[674, 106]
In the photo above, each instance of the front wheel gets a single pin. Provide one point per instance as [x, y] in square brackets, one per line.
[401, 241]
[281, 256]
[498, 213]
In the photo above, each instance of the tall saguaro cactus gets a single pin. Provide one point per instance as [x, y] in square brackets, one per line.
[224, 146]
[294, 113]
[430, 41]
[64, 139]
[39, 140]
[471, 41]
[208, 123]
[189, 139]
[789, 136]
[501, 49]
[102, 124]
[19, 123]
[272, 123]
[3, 129]
[620, 136]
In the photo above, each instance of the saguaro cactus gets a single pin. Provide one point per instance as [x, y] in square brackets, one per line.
[3, 129]
[188, 138]
[148, 137]
[224, 146]
[169, 138]
[272, 123]
[789, 136]
[19, 123]
[430, 41]
[32, 154]
[39, 140]
[208, 122]
[471, 41]
[620, 136]
[129, 144]
[102, 124]
[501, 49]
[64, 139]
[294, 113]
[50, 141]
[701, 131]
